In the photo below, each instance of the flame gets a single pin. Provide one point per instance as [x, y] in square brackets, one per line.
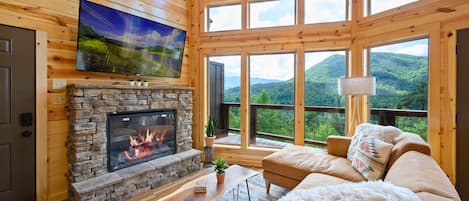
[142, 145]
[133, 141]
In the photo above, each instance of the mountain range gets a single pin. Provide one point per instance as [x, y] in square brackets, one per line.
[401, 83]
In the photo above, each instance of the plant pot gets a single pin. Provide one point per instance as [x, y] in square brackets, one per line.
[220, 178]
[209, 141]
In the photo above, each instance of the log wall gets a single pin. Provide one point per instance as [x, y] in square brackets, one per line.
[59, 18]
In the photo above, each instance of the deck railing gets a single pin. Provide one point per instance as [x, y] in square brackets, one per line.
[385, 117]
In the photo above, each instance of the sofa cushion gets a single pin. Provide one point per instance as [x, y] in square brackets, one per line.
[408, 142]
[318, 179]
[371, 157]
[420, 173]
[423, 196]
[384, 133]
[297, 162]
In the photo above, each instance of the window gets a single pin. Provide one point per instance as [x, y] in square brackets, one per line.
[224, 18]
[401, 71]
[271, 13]
[375, 6]
[272, 79]
[320, 11]
[224, 94]
[324, 108]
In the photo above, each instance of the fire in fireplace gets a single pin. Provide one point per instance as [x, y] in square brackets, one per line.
[136, 137]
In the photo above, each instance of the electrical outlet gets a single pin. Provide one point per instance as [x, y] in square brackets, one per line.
[58, 99]
[59, 84]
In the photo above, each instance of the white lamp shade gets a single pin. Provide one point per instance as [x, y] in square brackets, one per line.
[357, 86]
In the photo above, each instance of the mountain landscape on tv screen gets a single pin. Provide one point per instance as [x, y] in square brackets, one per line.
[116, 42]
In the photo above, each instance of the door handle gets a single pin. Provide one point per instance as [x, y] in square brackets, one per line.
[27, 133]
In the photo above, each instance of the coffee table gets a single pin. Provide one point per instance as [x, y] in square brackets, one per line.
[234, 176]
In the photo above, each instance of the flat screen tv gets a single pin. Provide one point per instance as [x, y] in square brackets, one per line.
[116, 42]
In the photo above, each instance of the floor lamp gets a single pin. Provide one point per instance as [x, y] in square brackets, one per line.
[356, 86]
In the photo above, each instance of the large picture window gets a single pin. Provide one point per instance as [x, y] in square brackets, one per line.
[324, 108]
[401, 71]
[272, 78]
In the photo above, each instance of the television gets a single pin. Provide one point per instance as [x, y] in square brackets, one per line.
[113, 41]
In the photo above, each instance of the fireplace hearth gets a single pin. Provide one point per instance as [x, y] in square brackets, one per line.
[136, 137]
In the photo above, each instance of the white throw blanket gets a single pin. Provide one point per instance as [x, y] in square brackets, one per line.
[364, 191]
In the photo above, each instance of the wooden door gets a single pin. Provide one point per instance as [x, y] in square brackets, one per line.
[17, 114]
[462, 120]
[216, 95]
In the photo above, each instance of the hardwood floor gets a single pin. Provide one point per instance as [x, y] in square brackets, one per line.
[256, 188]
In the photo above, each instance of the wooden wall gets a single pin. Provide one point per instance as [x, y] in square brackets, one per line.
[436, 19]
[59, 19]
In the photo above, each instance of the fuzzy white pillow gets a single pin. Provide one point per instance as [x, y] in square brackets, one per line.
[371, 157]
[387, 134]
[369, 191]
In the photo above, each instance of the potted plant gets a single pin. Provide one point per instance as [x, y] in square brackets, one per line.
[210, 129]
[220, 166]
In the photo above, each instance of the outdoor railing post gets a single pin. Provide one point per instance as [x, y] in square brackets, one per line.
[253, 126]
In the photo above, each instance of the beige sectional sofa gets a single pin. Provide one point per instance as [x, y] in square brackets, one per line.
[410, 165]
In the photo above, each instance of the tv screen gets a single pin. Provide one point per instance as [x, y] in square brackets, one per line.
[116, 42]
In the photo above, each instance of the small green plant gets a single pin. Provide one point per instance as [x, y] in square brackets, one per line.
[220, 165]
[210, 127]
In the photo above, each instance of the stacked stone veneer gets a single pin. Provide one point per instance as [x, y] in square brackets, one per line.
[88, 105]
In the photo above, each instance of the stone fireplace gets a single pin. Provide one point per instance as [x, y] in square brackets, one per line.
[125, 141]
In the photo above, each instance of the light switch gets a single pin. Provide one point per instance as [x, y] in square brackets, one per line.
[59, 84]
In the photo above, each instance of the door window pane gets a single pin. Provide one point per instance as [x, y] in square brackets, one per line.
[224, 85]
[271, 13]
[272, 98]
[324, 108]
[401, 71]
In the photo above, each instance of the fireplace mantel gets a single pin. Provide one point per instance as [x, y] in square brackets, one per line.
[88, 106]
[109, 86]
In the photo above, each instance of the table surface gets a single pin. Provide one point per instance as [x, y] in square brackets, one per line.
[234, 175]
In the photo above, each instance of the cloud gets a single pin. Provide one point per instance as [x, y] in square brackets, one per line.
[317, 11]
[275, 66]
[389, 4]
[417, 50]
[232, 64]
[153, 38]
[272, 13]
[415, 47]
[225, 18]
[313, 58]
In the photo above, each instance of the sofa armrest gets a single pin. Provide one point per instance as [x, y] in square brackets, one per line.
[338, 145]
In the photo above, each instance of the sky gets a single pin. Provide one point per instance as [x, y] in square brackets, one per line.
[281, 12]
[131, 29]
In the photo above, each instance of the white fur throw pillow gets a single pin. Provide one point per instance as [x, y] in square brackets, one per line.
[369, 191]
[384, 133]
[371, 157]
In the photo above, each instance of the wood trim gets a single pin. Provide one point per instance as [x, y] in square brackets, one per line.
[244, 107]
[299, 131]
[41, 116]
